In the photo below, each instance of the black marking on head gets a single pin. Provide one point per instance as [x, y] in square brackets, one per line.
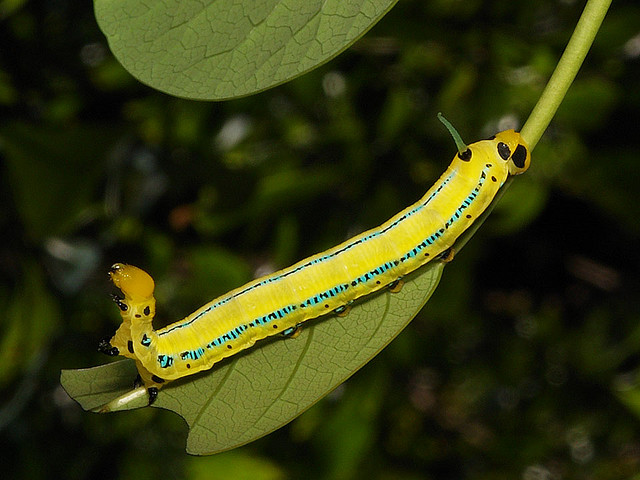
[519, 156]
[466, 155]
[130, 346]
[147, 310]
[504, 151]
[157, 379]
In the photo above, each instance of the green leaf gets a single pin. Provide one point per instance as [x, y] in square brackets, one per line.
[43, 165]
[227, 49]
[30, 318]
[237, 465]
[262, 389]
[94, 387]
[629, 395]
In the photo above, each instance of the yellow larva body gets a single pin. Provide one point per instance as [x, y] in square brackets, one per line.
[320, 284]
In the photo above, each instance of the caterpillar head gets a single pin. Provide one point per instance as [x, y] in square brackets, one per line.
[511, 147]
[136, 284]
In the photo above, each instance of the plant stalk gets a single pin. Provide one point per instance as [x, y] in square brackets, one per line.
[566, 70]
[553, 94]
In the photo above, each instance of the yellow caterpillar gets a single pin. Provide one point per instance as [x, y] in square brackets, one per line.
[327, 282]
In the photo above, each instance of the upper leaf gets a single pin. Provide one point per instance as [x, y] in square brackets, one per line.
[230, 48]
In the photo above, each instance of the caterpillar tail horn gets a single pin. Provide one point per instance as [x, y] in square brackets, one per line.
[460, 145]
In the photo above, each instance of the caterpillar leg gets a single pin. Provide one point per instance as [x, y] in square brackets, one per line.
[151, 382]
[153, 394]
[396, 286]
[447, 255]
[343, 311]
[119, 344]
[292, 332]
[119, 302]
[105, 347]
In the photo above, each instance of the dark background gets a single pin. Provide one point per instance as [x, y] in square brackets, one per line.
[522, 365]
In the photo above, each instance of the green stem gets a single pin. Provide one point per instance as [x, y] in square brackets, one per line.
[554, 92]
[565, 71]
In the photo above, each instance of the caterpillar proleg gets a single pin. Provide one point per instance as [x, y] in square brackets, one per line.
[279, 303]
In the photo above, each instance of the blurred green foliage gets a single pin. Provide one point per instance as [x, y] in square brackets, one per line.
[523, 365]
